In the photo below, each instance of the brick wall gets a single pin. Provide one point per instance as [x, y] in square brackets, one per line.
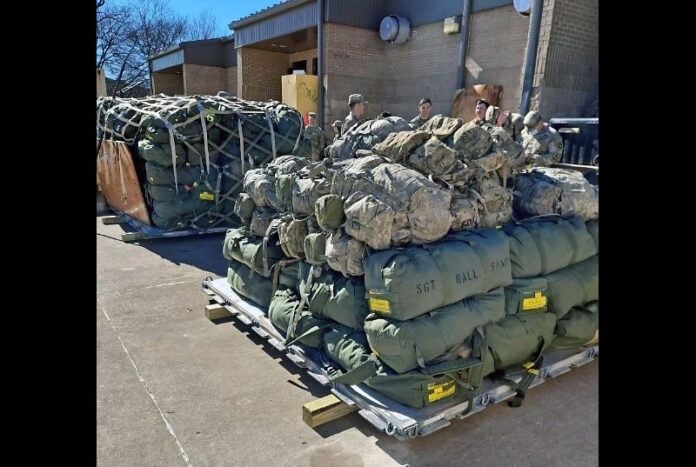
[567, 72]
[231, 80]
[201, 79]
[495, 54]
[306, 55]
[167, 83]
[259, 72]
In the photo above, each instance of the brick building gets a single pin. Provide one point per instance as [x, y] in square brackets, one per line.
[562, 78]
[195, 67]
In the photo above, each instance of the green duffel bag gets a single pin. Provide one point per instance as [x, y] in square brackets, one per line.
[309, 328]
[577, 328]
[573, 286]
[334, 296]
[329, 212]
[283, 190]
[315, 248]
[256, 287]
[593, 228]
[261, 219]
[161, 153]
[169, 214]
[527, 295]
[158, 175]
[405, 345]
[166, 192]
[421, 388]
[244, 207]
[403, 283]
[240, 246]
[195, 155]
[544, 245]
[517, 338]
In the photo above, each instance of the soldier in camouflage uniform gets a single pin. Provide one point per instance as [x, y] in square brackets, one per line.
[316, 137]
[423, 112]
[481, 107]
[358, 105]
[337, 129]
[543, 145]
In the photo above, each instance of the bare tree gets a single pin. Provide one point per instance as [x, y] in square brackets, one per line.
[202, 26]
[113, 24]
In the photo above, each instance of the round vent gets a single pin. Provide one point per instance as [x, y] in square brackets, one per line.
[395, 29]
[523, 7]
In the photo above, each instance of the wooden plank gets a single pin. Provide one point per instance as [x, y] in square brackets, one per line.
[216, 311]
[325, 410]
[132, 236]
[464, 104]
[109, 220]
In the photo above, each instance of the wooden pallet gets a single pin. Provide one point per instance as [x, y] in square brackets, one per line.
[148, 232]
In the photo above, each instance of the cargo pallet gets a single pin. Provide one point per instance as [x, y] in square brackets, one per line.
[385, 414]
[149, 232]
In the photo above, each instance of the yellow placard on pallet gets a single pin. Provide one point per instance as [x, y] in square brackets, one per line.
[535, 302]
[438, 391]
[380, 305]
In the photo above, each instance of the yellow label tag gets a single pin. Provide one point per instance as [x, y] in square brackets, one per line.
[535, 302]
[195, 184]
[528, 365]
[528, 166]
[378, 304]
[438, 391]
[206, 196]
[498, 166]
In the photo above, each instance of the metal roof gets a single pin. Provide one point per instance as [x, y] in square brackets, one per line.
[186, 44]
[266, 12]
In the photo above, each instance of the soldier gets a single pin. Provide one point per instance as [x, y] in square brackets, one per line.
[423, 112]
[316, 137]
[481, 107]
[357, 104]
[517, 126]
[499, 124]
[337, 129]
[543, 145]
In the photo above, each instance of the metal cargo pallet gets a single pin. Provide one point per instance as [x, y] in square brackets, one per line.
[149, 232]
[385, 414]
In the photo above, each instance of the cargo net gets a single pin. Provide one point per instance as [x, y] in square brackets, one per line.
[196, 150]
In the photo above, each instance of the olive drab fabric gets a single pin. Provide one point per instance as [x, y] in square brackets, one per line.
[442, 127]
[471, 141]
[244, 207]
[292, 233]
[593, 229]
[160, 153]
[527, 296]
[399, 145]
[546, 190]
[345, 254]
[408, 282]
[542, 246]
[406, 345]
[328, 210]
[573, 286]
[306, 192]
[280, 311]
[159, 175]
[260, 220]
[577, 328]
[349, 349]
[241, 247]
[256, 287]
[365, 135]
[315, 248]
[332, 296]
[516, 338]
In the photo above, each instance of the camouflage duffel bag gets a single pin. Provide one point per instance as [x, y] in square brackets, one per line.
[407, 282]
[573, 286]
[546, 190]
[244, 207]
[525, 295]
[399, 145]
[308, 329]
[159, 175]
[292, 233]
[260, 185]
[593, 228]
[283, 190]
[542, 246]
[421, 388]
[329, 212]
[315, 248]
[442, 127]
[471, 141]
[406, 345]
[161, 154]
[577, 328]
[256, 287]
[306, 192]
[345, 254]
[335, 297]
[261, 219]
[516, 339]
[250, 251]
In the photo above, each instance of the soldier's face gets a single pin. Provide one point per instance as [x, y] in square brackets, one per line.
[539, 126]
[481, 111]
[424, 110]
[359, 109]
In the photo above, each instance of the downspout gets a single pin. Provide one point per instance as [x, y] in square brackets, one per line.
[530, 61]
[320, 64]
[463, 44]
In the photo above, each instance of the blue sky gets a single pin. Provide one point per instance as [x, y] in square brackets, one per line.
[225, 11]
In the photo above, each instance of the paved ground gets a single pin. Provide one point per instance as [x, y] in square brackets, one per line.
[174, 388]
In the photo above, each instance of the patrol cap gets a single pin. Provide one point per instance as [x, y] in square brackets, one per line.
[531, 119]
[312, 115]
[483, 101]
[356, 99]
